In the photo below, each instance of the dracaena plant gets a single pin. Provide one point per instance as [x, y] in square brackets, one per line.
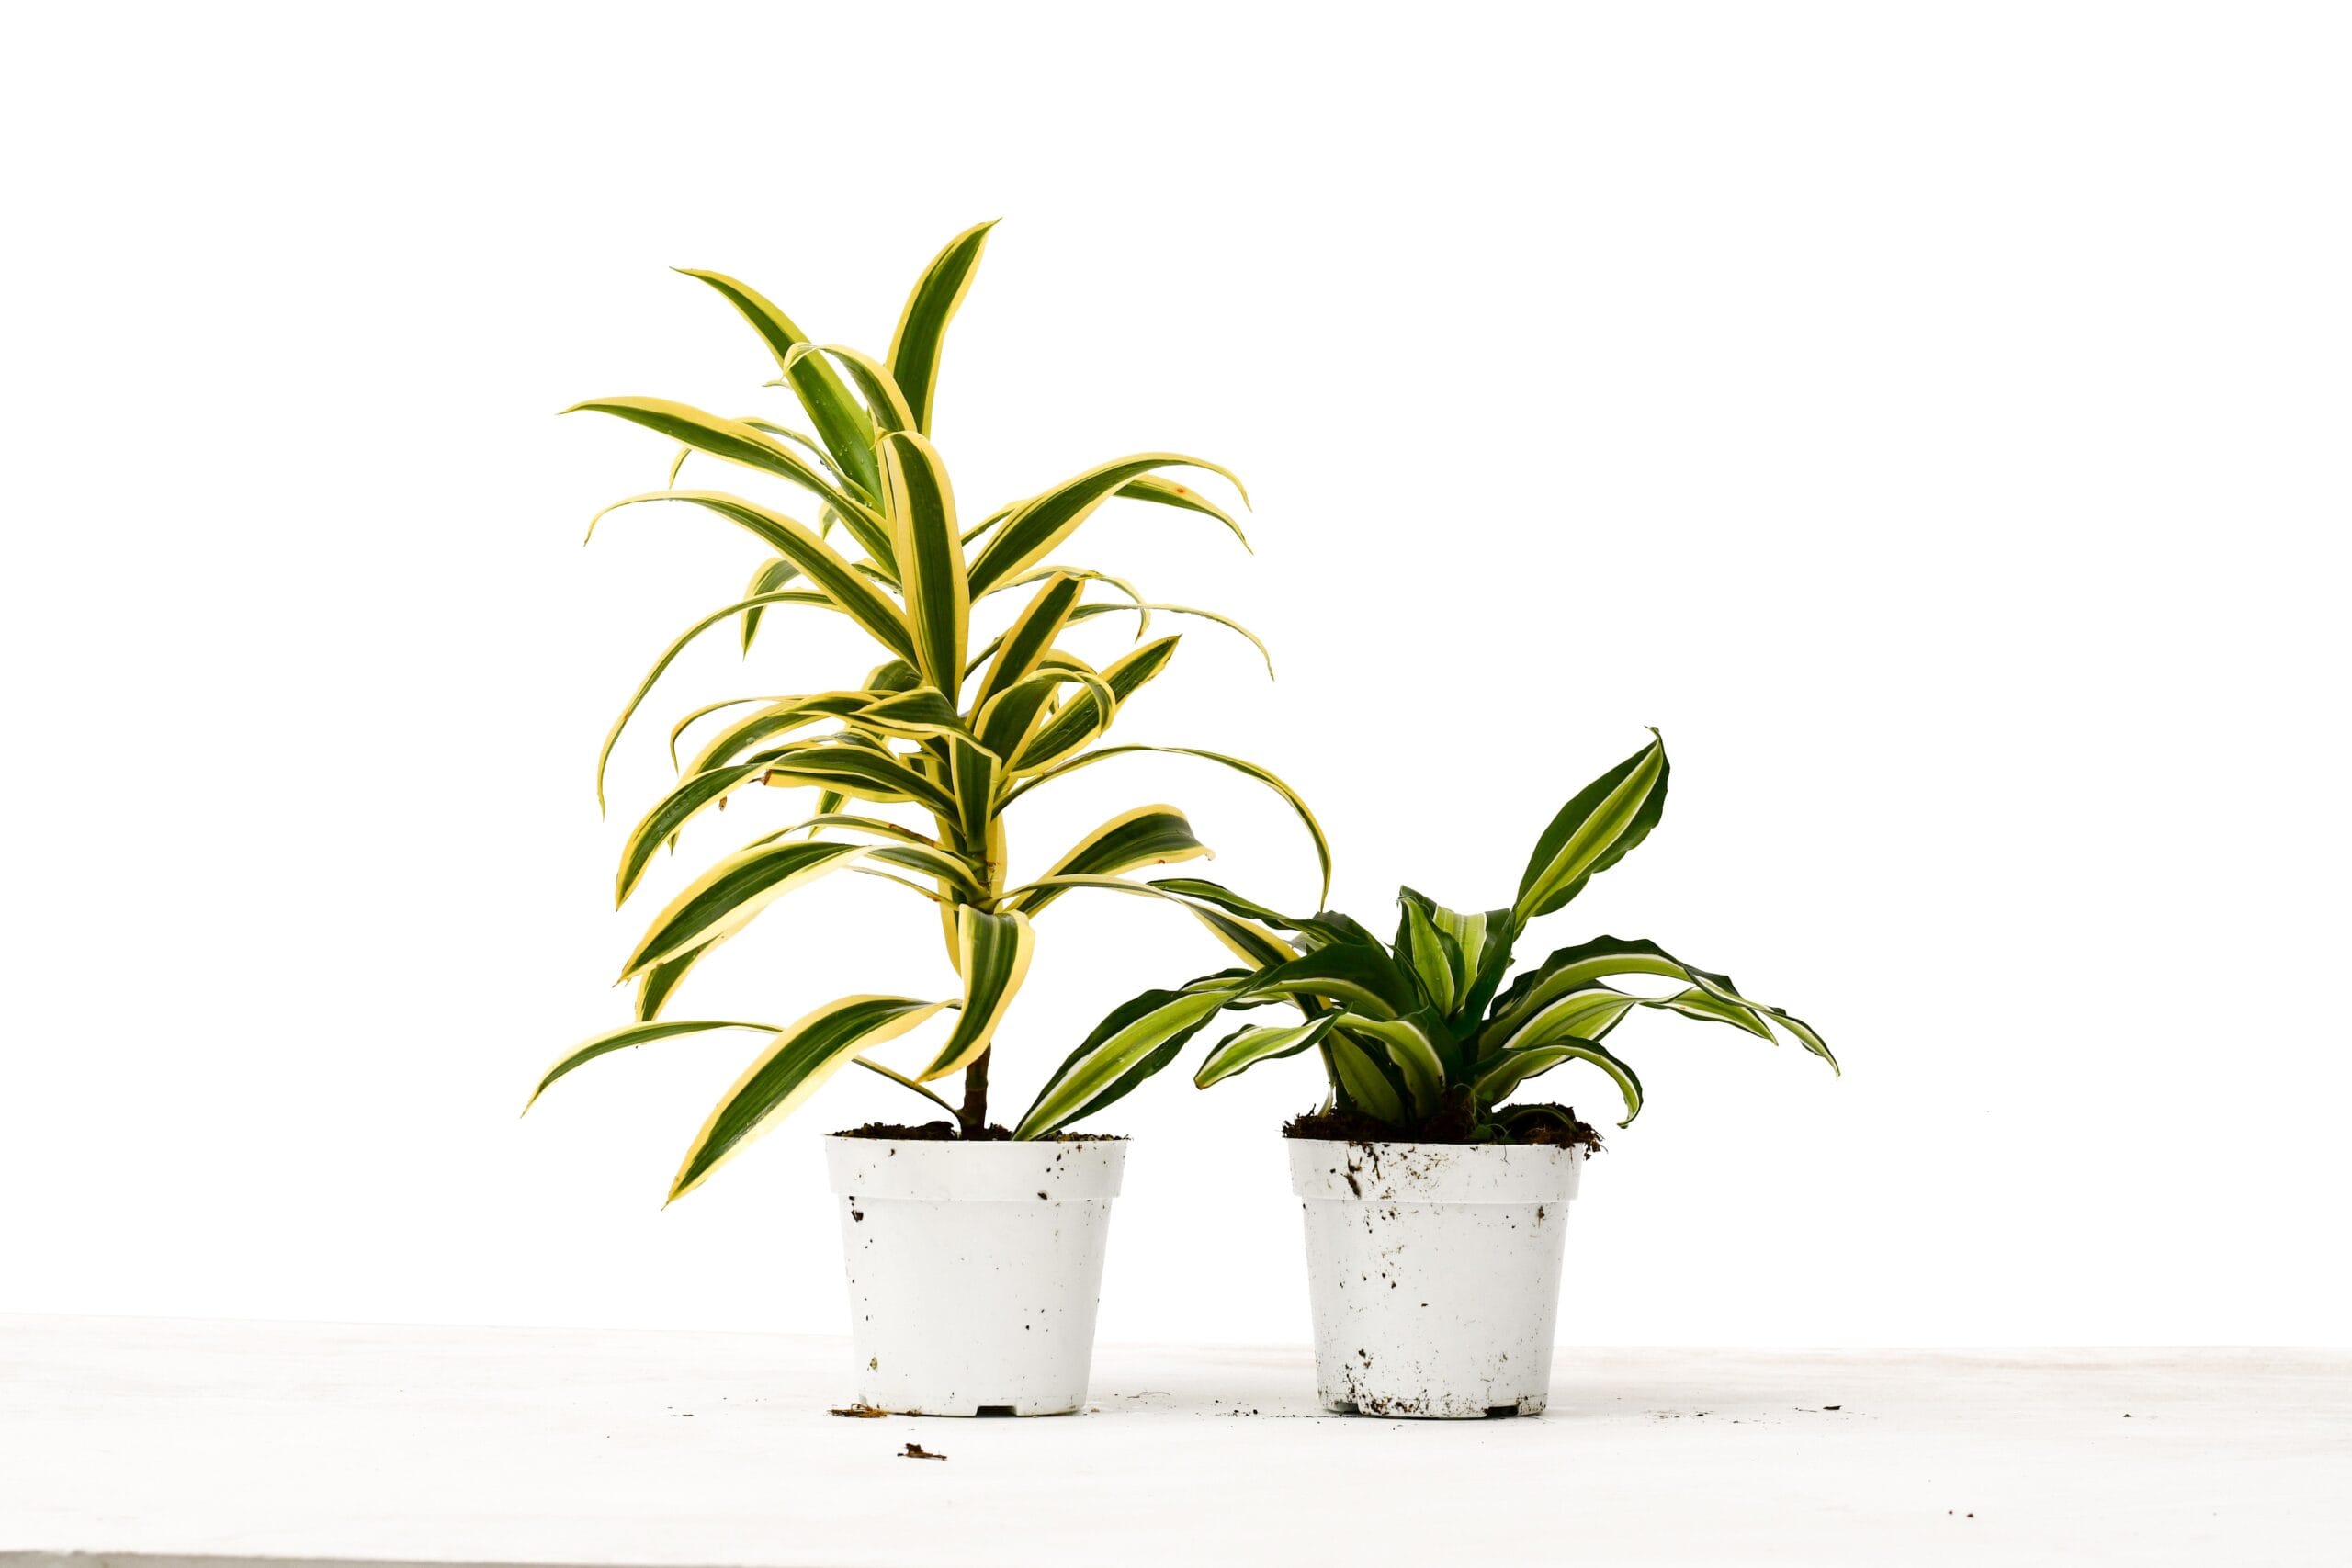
[951, 726]
[1418, 1033]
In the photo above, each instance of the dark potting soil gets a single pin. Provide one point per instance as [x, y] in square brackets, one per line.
[946, 1133]
[1451, 1124]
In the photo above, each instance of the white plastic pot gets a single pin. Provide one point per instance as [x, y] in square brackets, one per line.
[1434, 1269]
[973, 1269]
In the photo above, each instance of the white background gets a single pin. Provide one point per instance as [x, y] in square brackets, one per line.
[1932, 418]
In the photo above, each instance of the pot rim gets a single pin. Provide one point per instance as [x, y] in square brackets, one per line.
[1033, 1172]
[1356, 1171]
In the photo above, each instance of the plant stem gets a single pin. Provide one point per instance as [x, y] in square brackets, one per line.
[973, 1117]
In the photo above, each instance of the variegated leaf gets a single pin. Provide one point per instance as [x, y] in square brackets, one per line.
[791, 1069]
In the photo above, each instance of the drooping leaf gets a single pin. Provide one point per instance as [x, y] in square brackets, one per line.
[725, 898]
[791, 1069]
[1357, 977]
[1148, 835]
[622, 1039]
[669, 655]
[853, 770]
[1570, 970]
[1038, 527]
[1512, 1068]
[754, 448]
[1291, 797]
[1246, 1047]
[771, 576]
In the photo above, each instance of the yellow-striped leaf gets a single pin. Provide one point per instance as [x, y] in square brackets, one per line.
[791, 1069]
[622, 1039]
[930, 305]
[992, 953]
[921, 512]
[1264, 776]
[1245, 1048]
[1087, 716]
[1031, 634]
[859, 770]
[1037, 528]
[1137, 1040]
[827, 570]
[847, 432]
[754, 448]
[1149, 835]
[886, 406]
[725, 898]
[1513, 1068]
[669, 655]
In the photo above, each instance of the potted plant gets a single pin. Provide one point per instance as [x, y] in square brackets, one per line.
[1435, 1212]
[974, 1253]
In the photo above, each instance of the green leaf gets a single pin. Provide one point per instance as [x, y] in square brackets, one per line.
[1137, 1040]
[771, 576]
[1593, 831]
[1359, 976]
[886, 405]
[1144, 607]
[739, 442]
[1485, 939]
[669, 655]
[843, 427]
[859, 770]
[725, 898]
[1418, 1045]
[1363, 1084]
[827, 570]
[1710, 997]
[791, 1069]
[914, 345]
[1086, 716]
[1434, 956]
[1167, 492]
[1512, 1068]
[1264, 776]
[1245, 1048]
[672, 812]
[921, 512]
[1031, 634]
[992, 953]
[1037, 528]
[622, 1039]
[1148, 835]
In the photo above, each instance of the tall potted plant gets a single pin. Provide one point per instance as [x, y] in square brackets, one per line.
[1435, 1212]
[974, 1253]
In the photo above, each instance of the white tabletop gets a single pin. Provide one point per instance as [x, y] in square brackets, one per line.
[318, 1442]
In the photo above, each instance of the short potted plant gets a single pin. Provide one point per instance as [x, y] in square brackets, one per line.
[975, 1252]
[1435, 1212]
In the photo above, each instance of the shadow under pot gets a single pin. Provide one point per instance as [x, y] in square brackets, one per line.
[973, 1269]
[1434, 1271]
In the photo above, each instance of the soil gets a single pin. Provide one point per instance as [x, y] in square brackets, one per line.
[1451, 1124]
[945, 1132]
